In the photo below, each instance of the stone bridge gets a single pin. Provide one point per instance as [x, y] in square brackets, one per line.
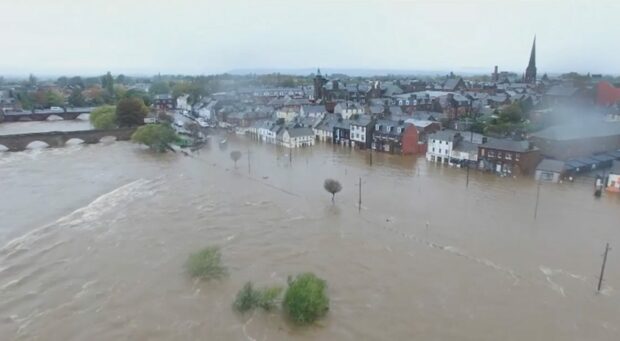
[42, 115]
[17, 142]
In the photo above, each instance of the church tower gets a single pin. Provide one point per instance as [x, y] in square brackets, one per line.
[319, 81]
[530, 72]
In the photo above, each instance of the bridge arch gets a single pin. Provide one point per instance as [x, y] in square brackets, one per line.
[83, 117]
[74, 141]
[37, 144]
[3, 148]
[53, 117]
[108, 139]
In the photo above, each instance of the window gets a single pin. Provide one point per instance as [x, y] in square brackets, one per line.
[481, 151]
[499, 155]
[446, 152]
[491, 153]
[517, 157]
[433, 149]
[508, 156]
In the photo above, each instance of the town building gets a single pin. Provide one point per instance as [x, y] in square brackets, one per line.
[163, 102]
[347, 109]
[342, 132]
[508, 157]
[361, 131]
[550, 170]
[577, 139]
[396, 137]
[296, 137]
[182, 103]
[613, 181]
[441, 144]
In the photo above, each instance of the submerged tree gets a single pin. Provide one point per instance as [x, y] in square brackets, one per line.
[332, 186]
[249, 298]
[157, 136]
[206, 264]
[306, 299]
[103, 117]
[235, 155]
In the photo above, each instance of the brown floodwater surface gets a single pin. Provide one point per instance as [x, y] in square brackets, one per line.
[94, 240]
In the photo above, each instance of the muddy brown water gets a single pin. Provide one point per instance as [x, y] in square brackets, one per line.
[94, 239]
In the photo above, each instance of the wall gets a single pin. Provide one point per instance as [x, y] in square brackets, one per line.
[19, 142]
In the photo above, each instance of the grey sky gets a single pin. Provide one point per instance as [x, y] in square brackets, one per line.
[184, 36]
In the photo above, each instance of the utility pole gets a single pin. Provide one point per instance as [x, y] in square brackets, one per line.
[290, 156]
[360, 196]
[537, 198]
[370, 149]
[600, 279]
[249, 165]
[467, 181]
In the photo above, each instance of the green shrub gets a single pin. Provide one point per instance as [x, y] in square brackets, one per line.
[103, 117]
[157, 136]
[305, 299]
[249, 298]
[206, 264]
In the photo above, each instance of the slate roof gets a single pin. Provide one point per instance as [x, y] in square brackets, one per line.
[507, 144]
[549, 165]
[300, 131]
[451, 84]
[362, 120]
[444, 135]
[466, 146]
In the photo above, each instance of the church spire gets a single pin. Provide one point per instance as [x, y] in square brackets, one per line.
[530, 72]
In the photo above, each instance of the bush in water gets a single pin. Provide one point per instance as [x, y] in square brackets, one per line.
[249, 298]
[305, 300]
[206, 264]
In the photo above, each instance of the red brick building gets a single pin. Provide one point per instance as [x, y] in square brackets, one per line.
[607, 94]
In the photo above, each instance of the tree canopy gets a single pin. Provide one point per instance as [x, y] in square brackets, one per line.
[159, 88]
[155, 136]
[131, 111]
[332, 186]
[305, 300]
[104, 117]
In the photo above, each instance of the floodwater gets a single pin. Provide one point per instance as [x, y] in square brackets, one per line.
[94, 239]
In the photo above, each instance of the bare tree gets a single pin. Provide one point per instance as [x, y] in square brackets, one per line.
[332, 186]
[235, 155]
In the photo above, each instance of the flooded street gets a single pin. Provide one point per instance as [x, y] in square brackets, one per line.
[94, 239]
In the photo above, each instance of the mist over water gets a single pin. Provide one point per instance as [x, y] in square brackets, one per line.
[94, 239]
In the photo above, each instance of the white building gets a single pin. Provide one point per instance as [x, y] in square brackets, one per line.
[324, 131]
[348, 109]
[287, 113]
[297, 137]
[313, 111]
[182, 103]
[613, 183]
[360, 134]
[441, 144]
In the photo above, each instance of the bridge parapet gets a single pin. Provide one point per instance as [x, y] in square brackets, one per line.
[18, 142]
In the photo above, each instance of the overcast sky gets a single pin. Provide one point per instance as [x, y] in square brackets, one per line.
[211, 36]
